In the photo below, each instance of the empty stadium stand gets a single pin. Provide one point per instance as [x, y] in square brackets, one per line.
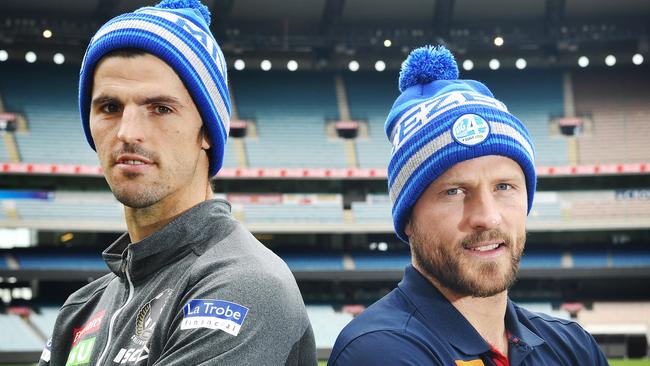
[533, 106]
[381, 260]
[541, 259]
[370, 97]
[288, 213]
[54, 127]
[21, 338]
[290, 110]
[619, 113]
[324, 261]
[622, 327]
[546, 308]
[327, 324]
[365, 212]
[636, 257]
[535, 257]
[44, 318]
[293, 214]
[591, 258]
[3, 149]
[60, 261]
[290, 126]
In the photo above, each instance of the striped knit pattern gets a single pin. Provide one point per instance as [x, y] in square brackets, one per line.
[424, 146]
[181, 38]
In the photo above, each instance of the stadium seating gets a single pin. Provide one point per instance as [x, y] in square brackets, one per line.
[290, 120]
[565, 209]
[622, 314]
[44, 319]
[230, 155]
[541, 259]
[313, 262]
[370, 97]
[533, 106]
[55, 210]
[591, 258]
[631, 258]
[3, 150]
[21, 338]
[290, 110]
[292, 214]
[55, 134]
[546, 308]
[327, 324]
[58, 261]
[381, 260]
[545, 211]
[619, 114]
[365, 212]
[533, 257]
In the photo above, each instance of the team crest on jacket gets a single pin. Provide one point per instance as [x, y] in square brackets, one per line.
[149, 314]
[145, 321]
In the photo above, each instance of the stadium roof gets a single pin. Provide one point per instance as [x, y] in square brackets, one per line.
[329, 33]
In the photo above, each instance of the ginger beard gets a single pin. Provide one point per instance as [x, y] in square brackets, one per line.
[450, 266]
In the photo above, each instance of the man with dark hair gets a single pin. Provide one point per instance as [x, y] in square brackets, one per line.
[462, 180]
[189, 285]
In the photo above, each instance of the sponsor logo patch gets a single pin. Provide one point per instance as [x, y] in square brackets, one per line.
[132, 355]
[47, 351]
[470, 130]
[81, 353]
[91, 326]
[426, 112]
[214, 314]
[469, 363]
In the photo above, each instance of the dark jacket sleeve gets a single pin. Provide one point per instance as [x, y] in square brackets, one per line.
[275, 330]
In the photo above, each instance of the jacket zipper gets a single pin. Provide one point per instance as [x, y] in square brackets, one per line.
[118, 311]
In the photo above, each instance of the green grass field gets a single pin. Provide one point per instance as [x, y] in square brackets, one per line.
[639, 362]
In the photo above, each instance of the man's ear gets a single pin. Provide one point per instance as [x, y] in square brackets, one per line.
[407, 228]
[205, 139]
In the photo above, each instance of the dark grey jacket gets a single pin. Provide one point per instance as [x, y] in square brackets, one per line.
[201, 291]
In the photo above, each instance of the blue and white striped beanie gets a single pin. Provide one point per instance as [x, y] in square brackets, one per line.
[439, 121]
[177, 32]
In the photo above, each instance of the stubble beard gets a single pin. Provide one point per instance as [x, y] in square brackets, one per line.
[146, 194]
[445, 263]
[139, 199]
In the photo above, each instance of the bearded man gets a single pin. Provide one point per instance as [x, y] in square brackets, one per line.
[461, 180]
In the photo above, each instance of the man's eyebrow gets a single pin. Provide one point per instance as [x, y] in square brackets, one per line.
[469, 180]
[102, 99]
[161, 99]
[511, 178]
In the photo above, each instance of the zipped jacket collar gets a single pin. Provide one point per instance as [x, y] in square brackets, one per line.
[162, 247]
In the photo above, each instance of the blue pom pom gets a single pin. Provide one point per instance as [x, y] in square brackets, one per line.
[427, 64]
[184, 4]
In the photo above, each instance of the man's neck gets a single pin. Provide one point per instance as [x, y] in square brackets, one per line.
[142, 222]
[485, 314]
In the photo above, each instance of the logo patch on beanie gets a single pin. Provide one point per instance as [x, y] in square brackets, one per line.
[470, 130]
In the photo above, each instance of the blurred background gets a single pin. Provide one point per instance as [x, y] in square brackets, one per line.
[305, 166]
